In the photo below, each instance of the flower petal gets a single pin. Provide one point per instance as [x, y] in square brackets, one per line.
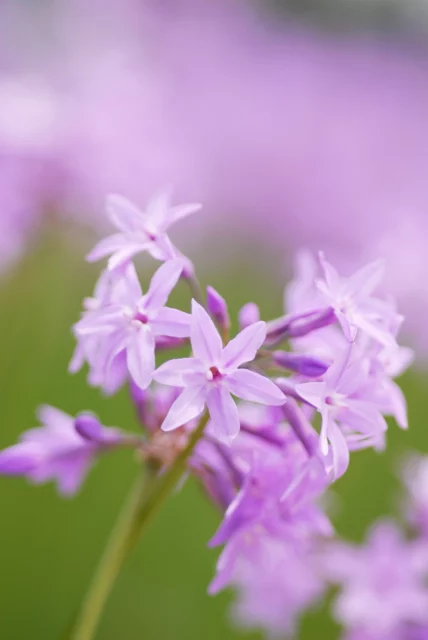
[179, 372]
[123, 214]
[163, 282]
[224, 413]
[362, 283]
[244, 346]
[206, 341]
[140, 356]
[188, 406]
[254, 387]
[171, 322]
[339, 449]
[182, 211]
[107, 246]
[312, 392]
[123, 256]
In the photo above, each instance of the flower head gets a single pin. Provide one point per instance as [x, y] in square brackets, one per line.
[124, 328]
[140, 231]
[214, 373]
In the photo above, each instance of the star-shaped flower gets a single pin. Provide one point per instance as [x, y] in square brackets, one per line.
[213, 374]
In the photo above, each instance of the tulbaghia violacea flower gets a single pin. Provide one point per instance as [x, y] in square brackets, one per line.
[353, 302]
[62, 449]
[130, 322]
[140, 231]
[384, 583]
[213, 374]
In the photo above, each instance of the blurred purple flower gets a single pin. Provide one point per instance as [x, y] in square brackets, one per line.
[63, 449]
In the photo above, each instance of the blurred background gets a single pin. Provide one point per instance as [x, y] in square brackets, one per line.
[297, 124]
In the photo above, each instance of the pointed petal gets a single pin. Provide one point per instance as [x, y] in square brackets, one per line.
[140, 356]
[163, 282]
[244, 346]
[123, 256]
[182, 211]
[172, 322]
[124, 215]
[224, 413]
[206, 341]
[312, 392]
[254, 387]
[331, 276]
[339, 449]
[180, 372]
[158, 209]
[107, 246]
[188, 406]
[365, 280]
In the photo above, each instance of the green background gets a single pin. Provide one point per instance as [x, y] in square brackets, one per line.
[49, 547]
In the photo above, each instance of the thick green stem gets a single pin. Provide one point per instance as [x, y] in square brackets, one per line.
[143, 503]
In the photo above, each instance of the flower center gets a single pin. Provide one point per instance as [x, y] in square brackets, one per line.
[141, 317]
[216, 375]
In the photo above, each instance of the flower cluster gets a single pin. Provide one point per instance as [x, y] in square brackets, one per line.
[283, 403]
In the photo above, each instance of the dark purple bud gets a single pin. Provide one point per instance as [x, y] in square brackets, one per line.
[306, 365]
[15, 462]
[297, 326]
[164, 342]
[249, 314]
[89, 427]
[217, 307]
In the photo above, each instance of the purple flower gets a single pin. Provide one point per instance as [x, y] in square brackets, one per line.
[351, 419]
[213, 374]
[415, 477]
[63, 449]
[217, 307]
[383, 583]
[276, 582]
[140, 231]
[248, 314]
[130, 322]
[352, 301]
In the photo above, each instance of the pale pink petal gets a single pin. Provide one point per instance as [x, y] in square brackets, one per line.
[182, 211]
[188, 406]
[123, 256]
[331, 276]
[163, 282]
[362, 283]
[339, 449]
[312, 392]
[205, 339]
[140, 356]
[244, 346]
[254, 387]
[123, 214]
[52, 416]
[158, 209]
[179, 373]
[223, 412]
[171, 322]
[107, 246]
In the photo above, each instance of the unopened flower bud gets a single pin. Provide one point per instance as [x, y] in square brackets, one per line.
[249, 314]
[217, 307]
[300, 363]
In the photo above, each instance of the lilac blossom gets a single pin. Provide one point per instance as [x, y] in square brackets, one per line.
[383, 583]
[214, 373]
[140, 231]
[130, 322]
[59, 450]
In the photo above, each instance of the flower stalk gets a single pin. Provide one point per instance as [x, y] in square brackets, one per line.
[146, 498]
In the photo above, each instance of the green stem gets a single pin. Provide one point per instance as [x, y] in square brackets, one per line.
[142, 505]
